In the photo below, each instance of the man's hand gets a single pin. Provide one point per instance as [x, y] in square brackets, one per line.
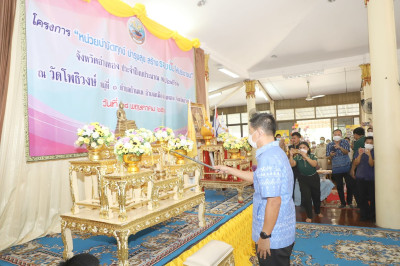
[337, 146]
[368, 152]
[263, 247]
[223, 169]
[332, 153]
[361, 151]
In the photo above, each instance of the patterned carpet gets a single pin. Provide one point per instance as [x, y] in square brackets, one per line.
[154, 246]
[318, 244]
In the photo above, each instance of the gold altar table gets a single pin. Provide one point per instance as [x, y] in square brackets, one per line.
[238, 185]
[241, 164]
[120, 182]
[90, 169]
[88, 222]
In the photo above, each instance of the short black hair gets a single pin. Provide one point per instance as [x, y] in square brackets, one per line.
[338, 130]
[370, 128]
[296, 134]
[84, 259]
[347, 138]
[278, 135]
[264, 121]
[359, 131]
[308, 146]
[372, 138]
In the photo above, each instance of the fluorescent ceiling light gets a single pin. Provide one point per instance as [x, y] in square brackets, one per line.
[227, 72]
[214, 95]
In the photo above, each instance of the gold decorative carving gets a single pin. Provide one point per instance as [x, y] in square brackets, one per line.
[365, 74]
[120, 182]
[87, 168]
[85, 223]
[242, 163]
[207, 70]
[250, 88]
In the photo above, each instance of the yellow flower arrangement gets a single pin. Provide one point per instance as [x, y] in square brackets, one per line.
[232, 143]
[223, 136]
[132, 143]
[163, 133]
[180, 143]
[146, 134]
[246, 145]
[94, 135]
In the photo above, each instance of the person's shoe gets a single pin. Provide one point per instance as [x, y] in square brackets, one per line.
[342, 206]
[351, 206]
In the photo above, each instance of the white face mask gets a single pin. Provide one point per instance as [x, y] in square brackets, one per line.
[278, 139]
[370, 134]
[369, 146]
[337, 138]
[303, 150]
[322, 141]
[251, 142]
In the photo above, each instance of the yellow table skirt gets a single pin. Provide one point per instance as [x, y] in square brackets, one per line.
[236, 232]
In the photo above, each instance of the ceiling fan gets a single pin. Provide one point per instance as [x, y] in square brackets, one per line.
[309, 98]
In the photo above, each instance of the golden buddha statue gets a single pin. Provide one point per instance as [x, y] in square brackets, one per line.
[123, 123]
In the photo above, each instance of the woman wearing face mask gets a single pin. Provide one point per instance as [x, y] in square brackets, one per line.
[365, 177]
[308, 180]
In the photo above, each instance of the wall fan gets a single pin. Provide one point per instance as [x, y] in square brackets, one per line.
[309, 98]
[366, 105]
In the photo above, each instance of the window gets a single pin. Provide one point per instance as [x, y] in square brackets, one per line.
[285, 114]
[348, 109]
[233, 119]
[235, 131]
[303, 113]
[326, 111]
[245, 118]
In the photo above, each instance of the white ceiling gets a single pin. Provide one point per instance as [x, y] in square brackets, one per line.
[326, 37]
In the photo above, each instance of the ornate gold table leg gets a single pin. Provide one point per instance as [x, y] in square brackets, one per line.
[122, 201]
[202, 219]
[67, 240]
[122, 245]
[105, 211]
[74, 190]
[240, 193]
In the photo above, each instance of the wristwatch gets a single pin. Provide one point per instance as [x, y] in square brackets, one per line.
[264, 235]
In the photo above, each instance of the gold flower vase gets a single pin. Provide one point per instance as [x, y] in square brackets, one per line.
[208, 140]
[94, 154]
[235, 153]
[132, 162]
[180, 159]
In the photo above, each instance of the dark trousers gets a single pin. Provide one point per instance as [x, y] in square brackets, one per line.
[280, 257]
[366, 193]
[310, 189]
[350, 185]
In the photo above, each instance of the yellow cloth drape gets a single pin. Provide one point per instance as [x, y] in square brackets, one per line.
[121, 9]
[236, 232]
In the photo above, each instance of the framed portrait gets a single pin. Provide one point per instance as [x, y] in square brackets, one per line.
[199, 116]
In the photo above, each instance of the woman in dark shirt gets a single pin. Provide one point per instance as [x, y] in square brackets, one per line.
[365, 177]
[308, 180]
